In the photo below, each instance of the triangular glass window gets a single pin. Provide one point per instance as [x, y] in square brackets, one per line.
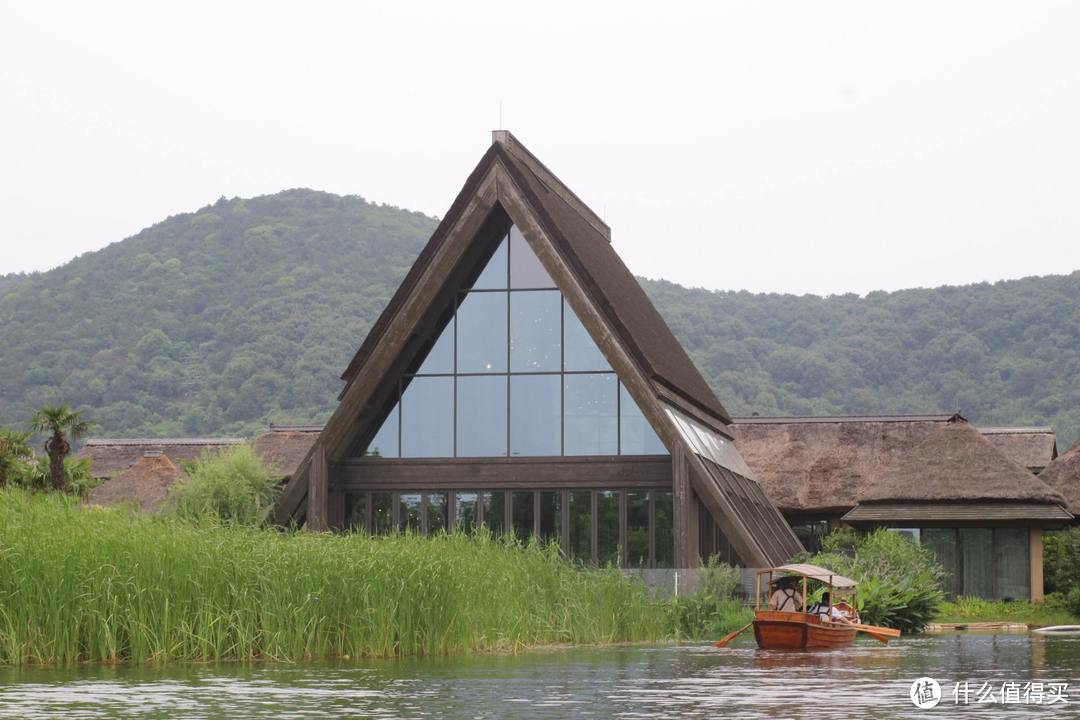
[513, 373]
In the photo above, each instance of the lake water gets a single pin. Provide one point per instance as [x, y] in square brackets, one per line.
[694, 681]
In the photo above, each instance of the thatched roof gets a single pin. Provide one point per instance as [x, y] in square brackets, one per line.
[1032, 447]
[146, 483]
[1063, 474]
[827, 465]
[284, 447]
[953, 462]
[111, 456]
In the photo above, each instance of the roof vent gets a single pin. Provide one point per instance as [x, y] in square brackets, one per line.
[152, 453]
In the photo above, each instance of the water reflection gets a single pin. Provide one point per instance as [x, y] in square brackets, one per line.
[628, 682]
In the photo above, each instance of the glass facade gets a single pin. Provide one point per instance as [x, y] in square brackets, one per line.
[989, 563]
[628, 528]
[513, 373]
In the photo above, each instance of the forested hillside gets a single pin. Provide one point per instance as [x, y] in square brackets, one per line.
[246, 311]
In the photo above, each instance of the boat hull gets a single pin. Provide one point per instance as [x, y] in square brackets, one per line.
[776, 630]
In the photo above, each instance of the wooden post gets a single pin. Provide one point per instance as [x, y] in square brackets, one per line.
[1035, 563]
[335, 511]
[685, 520]
[317, 500]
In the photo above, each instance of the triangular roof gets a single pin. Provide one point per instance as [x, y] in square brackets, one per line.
[1063, 474]
[574, 246]
[146, 483]
[1032, 447]
[583, 241]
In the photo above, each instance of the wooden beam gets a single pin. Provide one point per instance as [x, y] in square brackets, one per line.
[683, 498]
[317, 509]
[1035, 563]
[513, 473]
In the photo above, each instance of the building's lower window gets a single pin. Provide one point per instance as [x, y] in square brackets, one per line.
[581, 525]
[637, 529]
[989, 563]
[494, 508]
[627, 528]
[521, 508]
[409, 512]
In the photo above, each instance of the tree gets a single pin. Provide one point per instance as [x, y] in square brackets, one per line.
[61, 422]
[15, 452]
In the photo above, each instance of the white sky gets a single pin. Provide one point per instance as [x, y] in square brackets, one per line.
[782, 146]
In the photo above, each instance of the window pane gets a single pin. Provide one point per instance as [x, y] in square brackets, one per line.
[975, 549]
[534, 415]
[481, 343]
[427, 418]
[522, 510]
[481, 416]
[581, 526]
[665, 529]
[382, 513]
[437, 517]
[591, 426]
[409, 512]
[441, 357]
[525, 268]
[943, 543]
[637, 529]
[551, 516]
[355, 508]
[534, 331]
[1011, 564]
[636, 436]
[607, 527]
[385, 442]
[495, 511]
[581, 352]
[493, 277]
[465, 511]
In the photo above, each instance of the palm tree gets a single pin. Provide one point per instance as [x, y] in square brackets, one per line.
[61, 422]
[14, 450]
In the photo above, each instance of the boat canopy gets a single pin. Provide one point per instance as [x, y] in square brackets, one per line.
[814, 572]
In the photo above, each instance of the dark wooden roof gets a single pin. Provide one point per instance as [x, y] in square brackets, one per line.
[110, 456]
[917, 513]
[1032, 447]
[573, 244]
[585, 243]
[1063, 474]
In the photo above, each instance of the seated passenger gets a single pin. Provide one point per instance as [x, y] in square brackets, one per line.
[825, 609]
[785, 598]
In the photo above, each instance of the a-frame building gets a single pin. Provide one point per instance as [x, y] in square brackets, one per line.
[521, 378]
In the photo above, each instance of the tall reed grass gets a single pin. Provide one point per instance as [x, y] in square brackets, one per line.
[110, 585]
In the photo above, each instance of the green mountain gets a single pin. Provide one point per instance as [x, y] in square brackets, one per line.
[246, 311]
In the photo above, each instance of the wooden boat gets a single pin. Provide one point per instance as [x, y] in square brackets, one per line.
[801, 629]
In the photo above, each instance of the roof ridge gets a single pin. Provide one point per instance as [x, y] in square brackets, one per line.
[899, 417]
[96, 442]
[1015, 430]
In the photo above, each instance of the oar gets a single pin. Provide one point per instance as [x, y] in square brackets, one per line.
[881, 634]
[723, 642]
[876, 630]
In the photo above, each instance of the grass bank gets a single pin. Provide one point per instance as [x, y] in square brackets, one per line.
[969, 610]
[107, 585]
